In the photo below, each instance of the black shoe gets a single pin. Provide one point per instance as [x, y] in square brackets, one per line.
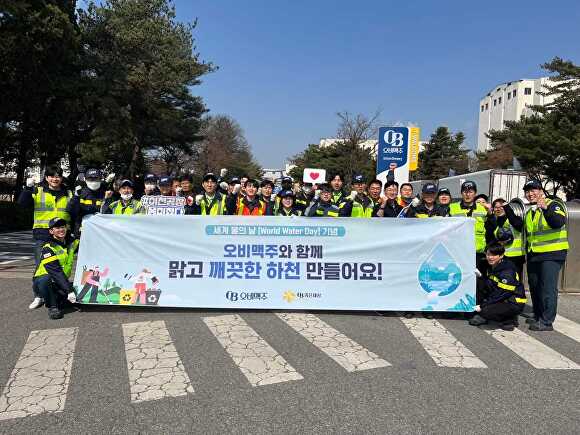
[507, 326]
[528, 315]
[531, 320]
[55, 313]
[477, 320]
[539, 326]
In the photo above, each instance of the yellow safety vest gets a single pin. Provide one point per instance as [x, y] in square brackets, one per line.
[515, 248]
[359, 211]
[216, 208]
[65, 257]
[540, 236]
[327, 212]
[47, 207]
[479, 214]
[134, 207]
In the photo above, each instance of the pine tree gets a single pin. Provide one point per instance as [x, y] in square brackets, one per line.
[442, 153]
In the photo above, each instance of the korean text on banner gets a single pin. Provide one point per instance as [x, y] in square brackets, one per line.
[278, 263]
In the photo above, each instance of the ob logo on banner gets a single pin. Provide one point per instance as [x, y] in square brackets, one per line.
[393, 153]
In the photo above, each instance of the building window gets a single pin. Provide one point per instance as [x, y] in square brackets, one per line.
[515, 93]
[486, 106]
[527, 91]
[482, 107]
[499, 100]
[509, 95]
[495, 102]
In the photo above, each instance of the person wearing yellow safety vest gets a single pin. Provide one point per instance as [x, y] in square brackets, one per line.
[249, 204]
[211, 202]
[336, 182]
[504, 297]
[89, 199]
[126, 205]
[545, 230]
[467, 207]
[427, 207]
[266, 195]
[287, 205]
[52, 273]
[49, 200]
[322, 206]
[358, 204]
[502, 230]
[304, 196]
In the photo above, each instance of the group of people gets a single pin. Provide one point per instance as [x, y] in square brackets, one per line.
[504, 241]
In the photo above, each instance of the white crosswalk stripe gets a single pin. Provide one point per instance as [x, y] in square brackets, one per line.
[40, 379]
[567, 327]
[440, 344]
[257, 360]
[155, 369]
[533, 351]
[346, 352]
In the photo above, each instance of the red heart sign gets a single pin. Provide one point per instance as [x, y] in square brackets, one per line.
[314, 175]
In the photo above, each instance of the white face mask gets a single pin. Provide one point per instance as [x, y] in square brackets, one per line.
[126, 196]
[93, 185]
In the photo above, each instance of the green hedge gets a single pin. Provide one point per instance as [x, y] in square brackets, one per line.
[14, 217]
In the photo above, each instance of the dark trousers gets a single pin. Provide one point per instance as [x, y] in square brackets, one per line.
[482, 265]
[543, 281]
[503, 312]
[45, 287]
[37, 252]
[94, 293]
[519, 262]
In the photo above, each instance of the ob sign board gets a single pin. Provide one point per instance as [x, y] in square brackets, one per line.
[277, 262]
[393, 154]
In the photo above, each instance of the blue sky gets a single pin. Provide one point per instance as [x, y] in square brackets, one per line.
[287, 67]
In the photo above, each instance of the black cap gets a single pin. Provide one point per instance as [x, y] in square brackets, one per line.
[325, 187]
[150, 178]
[165, 181]
[235, 180]
[286, 179]
[469, 185]
[286, 194]
[504, 235]
[532, 184]
[267, 182]
[93, 173]
[56, 222]
[444, 191]
[128, 183]
[210, 176]
[429, 188]
[358, 178]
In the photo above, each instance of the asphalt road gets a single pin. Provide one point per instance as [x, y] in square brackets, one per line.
[403, 388]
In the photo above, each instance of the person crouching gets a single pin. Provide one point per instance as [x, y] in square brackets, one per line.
[55, 267]
[503, 297]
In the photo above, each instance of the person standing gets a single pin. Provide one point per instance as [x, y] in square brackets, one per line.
[444, 200]
[126, 205]
[358, 204]
[287, 206]
[336, 182]
[89, 199]
[547, 246]
[50, 200]
[406, 195]
[502, 230]
[427, 207]
[210, 202]
[249, 204]
[390, 206]
[322, 205]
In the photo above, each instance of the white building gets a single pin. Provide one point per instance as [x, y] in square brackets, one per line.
[367, 144]
[508, 102]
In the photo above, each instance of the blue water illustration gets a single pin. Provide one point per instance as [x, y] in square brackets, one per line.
[439, 273]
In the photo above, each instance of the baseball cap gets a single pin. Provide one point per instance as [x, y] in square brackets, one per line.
[165, 181]
[56, 222]
[210, 176]
[286, 179]
[266, 182]
[429, 188]
[93, 173]
[532, 184]
[150, 178]
[504, 235]
[235, 180]
[128, 183]
[286, 193]
[469, 185]
[444, 191]
[358, 178]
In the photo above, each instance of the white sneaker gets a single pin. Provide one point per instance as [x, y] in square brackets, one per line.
[36, 303]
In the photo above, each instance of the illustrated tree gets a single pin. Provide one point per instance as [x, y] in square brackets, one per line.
[443, 152]
[547, 144]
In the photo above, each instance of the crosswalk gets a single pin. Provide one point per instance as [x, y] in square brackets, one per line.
[40, 378]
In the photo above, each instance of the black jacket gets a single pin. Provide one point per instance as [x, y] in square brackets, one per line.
[502, 284]
[390, 209]
[87, 202]
[54, 269]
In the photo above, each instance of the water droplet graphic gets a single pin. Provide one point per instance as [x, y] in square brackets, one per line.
[439, 273]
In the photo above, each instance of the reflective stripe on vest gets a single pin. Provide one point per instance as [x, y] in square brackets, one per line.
[129, 209]
[243, 210]
[516, 248]
[213, 210]
[96, 202]
[479, 214]
[540, 237]
[46, 207]
[359, 211]
[326, 212]
[65, 256]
